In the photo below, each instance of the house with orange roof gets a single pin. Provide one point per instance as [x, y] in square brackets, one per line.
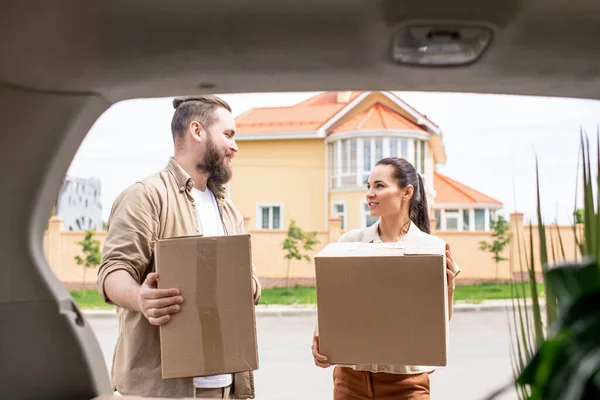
[310, 162]
[458, 207]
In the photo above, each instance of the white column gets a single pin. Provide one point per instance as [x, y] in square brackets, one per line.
[410, 151]
[425, 168]
[386, 147]
[472, 219]
[487, 219]
[460, 219]
[327, 184]
[373, 151]
[360, 167]
[417, 162]
[443, 218]
[338, 163]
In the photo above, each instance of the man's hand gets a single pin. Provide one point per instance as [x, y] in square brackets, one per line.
[158, 305]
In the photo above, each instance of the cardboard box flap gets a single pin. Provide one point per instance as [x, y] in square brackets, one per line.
[393, 249]
[425, 249]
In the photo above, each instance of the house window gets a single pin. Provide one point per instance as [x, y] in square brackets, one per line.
[438, 219]
[479, 219]
[366, 219]
[349, 162]
[378, 149]
[419, 156]
[492, 216]
[367, 163]
[422, 163]
[403, 148]
[332, 164]
[269, 216]
[394, 147]
[339, 210]
[466, 220]
[451, 217]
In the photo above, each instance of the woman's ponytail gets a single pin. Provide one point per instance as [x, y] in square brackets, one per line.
[406, 174]
[418, 207]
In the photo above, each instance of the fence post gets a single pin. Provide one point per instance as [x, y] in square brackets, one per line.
[335, 229]
[516, 232]
[246, 223]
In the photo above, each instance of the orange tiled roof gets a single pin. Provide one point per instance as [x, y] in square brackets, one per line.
[308, 115]
[377, 116]
[450, 191]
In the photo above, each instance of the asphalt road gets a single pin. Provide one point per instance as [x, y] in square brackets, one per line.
[479, 360]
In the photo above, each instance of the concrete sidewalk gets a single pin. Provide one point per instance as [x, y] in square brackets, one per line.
[310, 310]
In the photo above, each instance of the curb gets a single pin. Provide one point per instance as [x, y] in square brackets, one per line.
[283, 311]
[96, 314]
[295, 311]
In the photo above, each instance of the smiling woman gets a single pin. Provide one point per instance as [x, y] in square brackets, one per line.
[395, 194]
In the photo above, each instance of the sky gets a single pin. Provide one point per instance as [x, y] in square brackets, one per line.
[491, 142]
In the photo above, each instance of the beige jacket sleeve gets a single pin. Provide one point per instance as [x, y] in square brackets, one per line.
[133, 230]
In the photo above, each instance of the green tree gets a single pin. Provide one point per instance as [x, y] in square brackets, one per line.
[500, 239]
[92, 256]
[296, 241]
[578, 216]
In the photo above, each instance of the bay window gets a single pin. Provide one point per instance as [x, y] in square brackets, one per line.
[352, 160]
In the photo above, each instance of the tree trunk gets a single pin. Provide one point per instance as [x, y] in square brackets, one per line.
[496, 273]
[287, 275]
[83, 282]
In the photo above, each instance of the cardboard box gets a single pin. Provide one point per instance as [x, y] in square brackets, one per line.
[215, 331]
[379, 305]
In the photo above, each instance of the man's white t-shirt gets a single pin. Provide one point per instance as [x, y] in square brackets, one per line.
[210, 222]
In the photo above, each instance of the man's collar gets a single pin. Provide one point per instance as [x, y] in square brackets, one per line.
[183, 179]
[185, 182]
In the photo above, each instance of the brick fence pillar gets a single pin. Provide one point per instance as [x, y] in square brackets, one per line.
[335, 229]
[516, 237]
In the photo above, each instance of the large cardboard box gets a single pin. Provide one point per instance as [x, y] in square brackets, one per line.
[380, 304]
[215, 331]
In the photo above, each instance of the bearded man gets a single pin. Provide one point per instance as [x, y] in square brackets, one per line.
[186, 198]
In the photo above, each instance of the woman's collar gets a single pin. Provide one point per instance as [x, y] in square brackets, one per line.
[372, 233]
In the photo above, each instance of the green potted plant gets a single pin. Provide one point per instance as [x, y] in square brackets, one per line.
[559, 358]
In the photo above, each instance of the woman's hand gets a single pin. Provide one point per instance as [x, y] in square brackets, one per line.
[451, 269]
[320, 359]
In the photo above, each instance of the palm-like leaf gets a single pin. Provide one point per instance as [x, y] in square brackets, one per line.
[560, 359]
[566, 363]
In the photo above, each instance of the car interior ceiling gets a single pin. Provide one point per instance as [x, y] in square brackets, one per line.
[63, 63]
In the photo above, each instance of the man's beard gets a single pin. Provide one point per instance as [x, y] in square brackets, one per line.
[213, 163]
